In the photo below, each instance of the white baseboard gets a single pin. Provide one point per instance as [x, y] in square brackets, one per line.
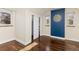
[7, 40]
[54, 36]
[22, 41]
[19, 40]
[58, 37]
[61, 38]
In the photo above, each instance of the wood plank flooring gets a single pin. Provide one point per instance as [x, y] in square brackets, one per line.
[46, 44]
[52, 44]
[11, 46]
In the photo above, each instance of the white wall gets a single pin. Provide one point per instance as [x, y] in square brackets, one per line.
[24, 25]
[20, 25]
[28, 26]
[45, 29]
[71, 33]
[7, 33]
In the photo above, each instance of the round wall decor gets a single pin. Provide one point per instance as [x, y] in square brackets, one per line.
[57, 18]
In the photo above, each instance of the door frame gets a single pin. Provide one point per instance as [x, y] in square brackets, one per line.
[32, 35]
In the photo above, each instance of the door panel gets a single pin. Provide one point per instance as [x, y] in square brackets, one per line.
[58, 22]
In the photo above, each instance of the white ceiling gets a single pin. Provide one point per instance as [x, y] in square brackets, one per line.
[39, 11]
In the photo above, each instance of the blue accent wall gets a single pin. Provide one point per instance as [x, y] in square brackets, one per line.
[58, 28]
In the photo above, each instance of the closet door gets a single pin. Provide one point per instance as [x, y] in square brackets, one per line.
[58, 22]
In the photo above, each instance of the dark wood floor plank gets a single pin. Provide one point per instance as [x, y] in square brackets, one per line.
[11, 46]
[52, 44]
[46, 44]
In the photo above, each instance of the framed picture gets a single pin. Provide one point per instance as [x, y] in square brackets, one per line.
[5, 19]
[71, 19]
[47, 21]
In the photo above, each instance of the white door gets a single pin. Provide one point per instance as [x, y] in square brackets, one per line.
[36, 27]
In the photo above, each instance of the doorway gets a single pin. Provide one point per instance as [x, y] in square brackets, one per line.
[35, 27]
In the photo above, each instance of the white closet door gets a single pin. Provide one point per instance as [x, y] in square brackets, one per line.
[36, 27]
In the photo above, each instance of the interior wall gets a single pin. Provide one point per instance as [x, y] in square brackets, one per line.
[24, 25]
[8, 33]
[28, 26]
[45, 28]
[20, 25]
[71, 33]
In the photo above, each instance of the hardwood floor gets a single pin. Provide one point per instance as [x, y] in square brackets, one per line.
[46, 44]
[51, 44]
[11, 46]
